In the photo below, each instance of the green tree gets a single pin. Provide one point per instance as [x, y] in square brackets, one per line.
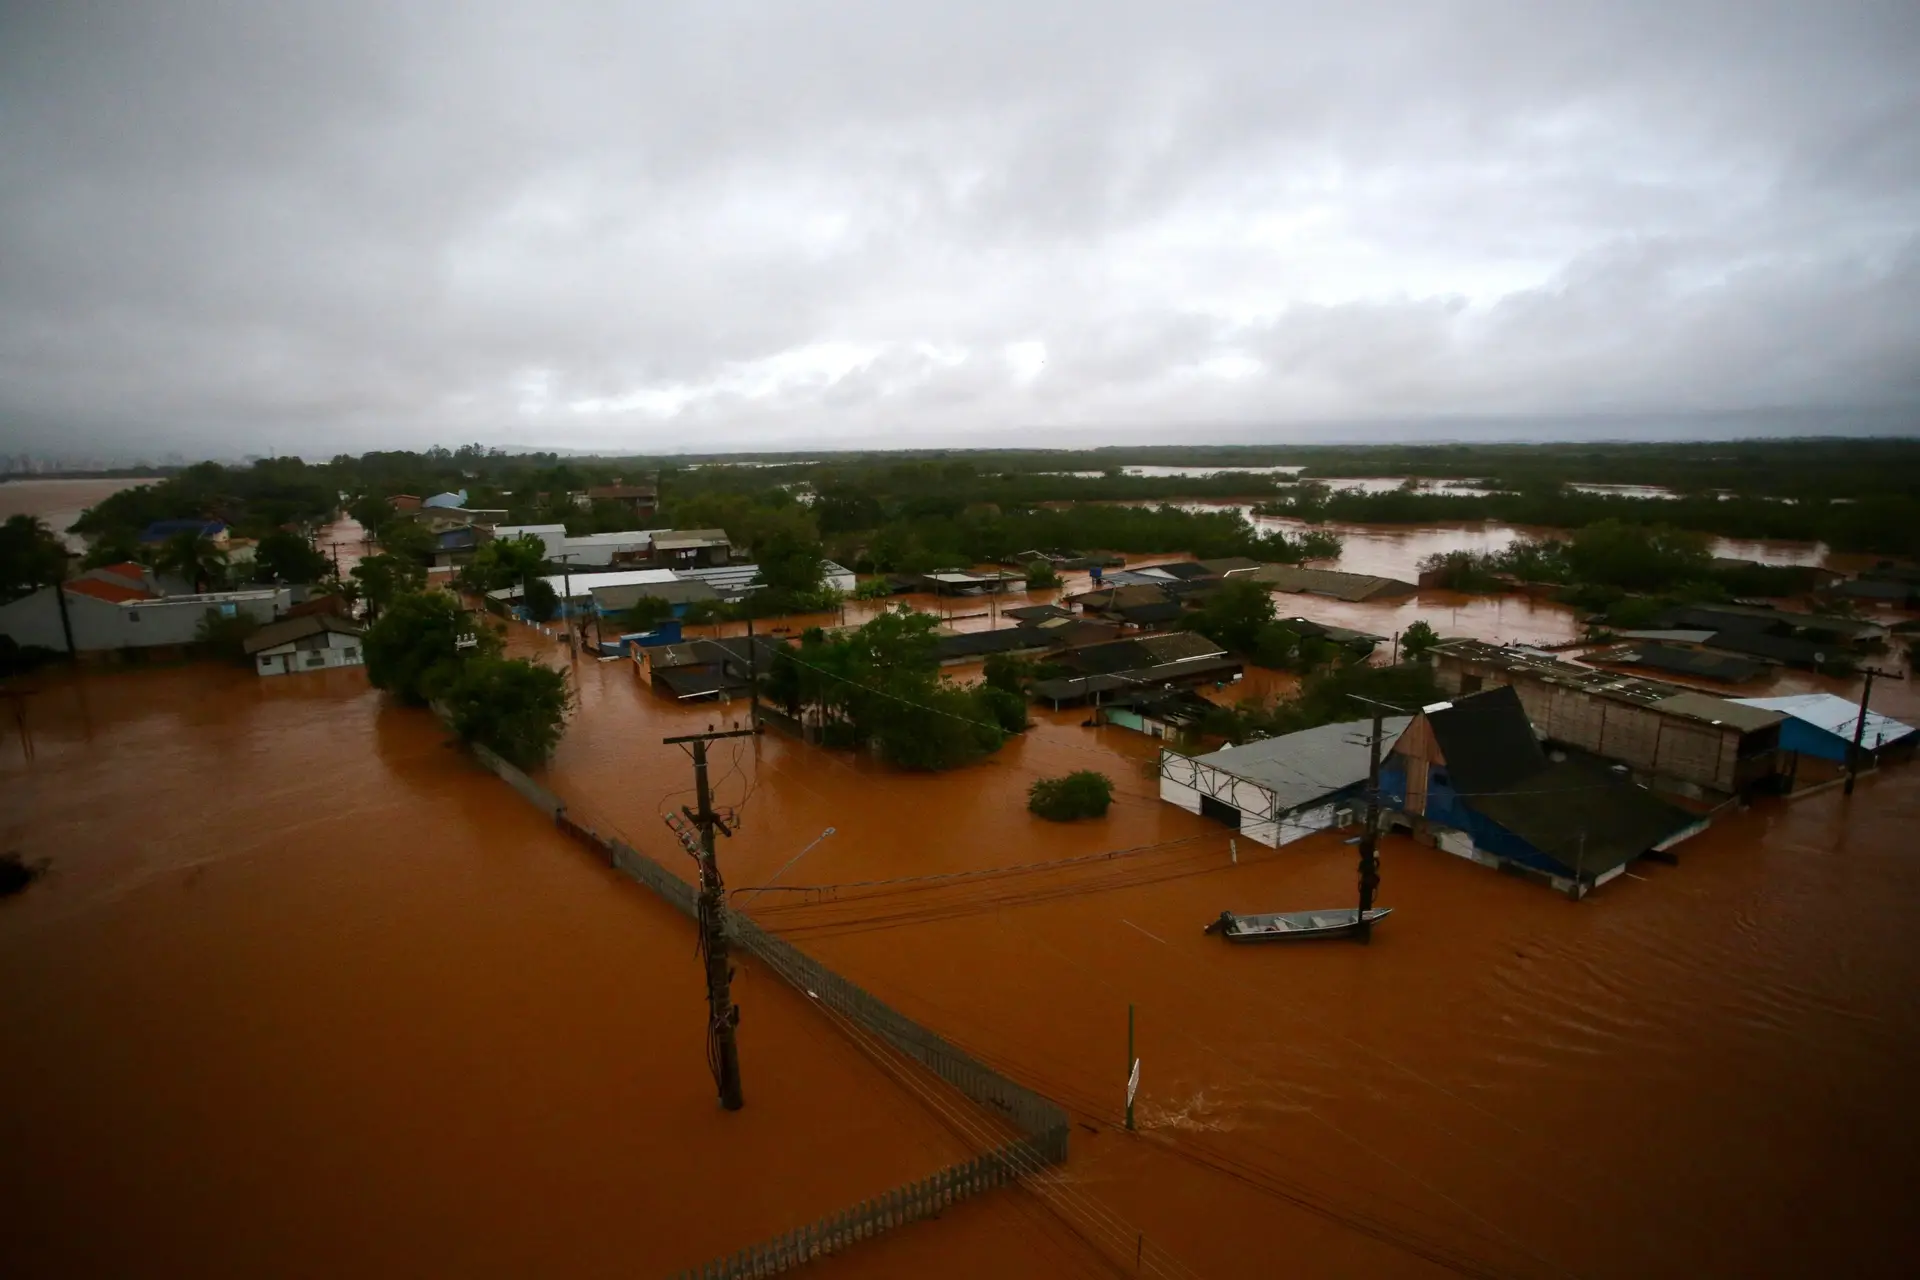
[372, 512]
[115, 547]
[288, 557]
[788, 550]
[1233, 614]
[1083, 794]
[1003, 671]
[646, 613]
[543, 602]
[383, 579]
[1418, 639]
[31, 557]
[1040, 574]
[515, 707]
[407, 540]
[414, 650]
[1004, 707]
[1637, 557]
[194, 557]
[504, 562]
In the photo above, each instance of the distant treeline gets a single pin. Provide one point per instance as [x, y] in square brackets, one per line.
[1885, 522]
[904, 510]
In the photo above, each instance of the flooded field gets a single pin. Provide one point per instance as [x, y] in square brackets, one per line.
[58, 502]
[306, 993]
[1504, 1083]
[304, 984]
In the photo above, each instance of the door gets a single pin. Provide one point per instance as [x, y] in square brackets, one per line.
[1220, 812]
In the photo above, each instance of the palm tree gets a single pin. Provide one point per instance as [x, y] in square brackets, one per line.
[194, 557]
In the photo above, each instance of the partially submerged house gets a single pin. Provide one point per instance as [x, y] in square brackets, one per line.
[1471, 777]
[1137, 663]
[1159, 712]
[1822, 725]
[612, 601]
[1691, 742]
[310, 642]
[1676, 659]
[695, 670]
[1332, 583]
[1282, 789]
[970, 646]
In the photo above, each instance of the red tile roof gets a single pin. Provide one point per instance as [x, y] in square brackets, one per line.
[111, 592]
[125, 569]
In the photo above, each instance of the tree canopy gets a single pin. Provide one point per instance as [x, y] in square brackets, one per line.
[31, 557]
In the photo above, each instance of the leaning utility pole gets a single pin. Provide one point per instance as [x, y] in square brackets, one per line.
[1860, 722]
[723, 1054]
[566, 604]
[1370, 837]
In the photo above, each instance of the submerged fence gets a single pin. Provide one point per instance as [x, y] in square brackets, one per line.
[1043, 1123]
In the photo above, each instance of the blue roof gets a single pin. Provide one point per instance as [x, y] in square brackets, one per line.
[447, 500]
[161, 530]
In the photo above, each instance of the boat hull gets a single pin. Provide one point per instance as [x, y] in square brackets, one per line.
[1294, 926]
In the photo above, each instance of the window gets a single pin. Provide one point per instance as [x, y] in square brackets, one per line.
[133, 615]
[351, 653]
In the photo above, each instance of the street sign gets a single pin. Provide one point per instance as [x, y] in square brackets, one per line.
[1133, 1081]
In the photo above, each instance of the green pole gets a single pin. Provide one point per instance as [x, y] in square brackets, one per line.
[1129, 1068]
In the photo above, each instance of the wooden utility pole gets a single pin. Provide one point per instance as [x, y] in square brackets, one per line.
[566, 602]
[1860, 722]
[723, 1053]
[1370, 836]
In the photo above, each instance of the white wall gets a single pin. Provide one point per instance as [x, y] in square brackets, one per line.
[99, 625]
[34, 620]
[338, 651]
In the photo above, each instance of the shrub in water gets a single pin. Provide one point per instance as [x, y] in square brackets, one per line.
[1085, 794]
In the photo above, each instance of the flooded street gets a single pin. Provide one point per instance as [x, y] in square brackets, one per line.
[304, 984]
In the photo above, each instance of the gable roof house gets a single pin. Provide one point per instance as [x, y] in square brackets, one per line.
[1278, 790]
[1470, 776]
[311, 642]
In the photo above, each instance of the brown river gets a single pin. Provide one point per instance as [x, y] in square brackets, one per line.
[306, 993]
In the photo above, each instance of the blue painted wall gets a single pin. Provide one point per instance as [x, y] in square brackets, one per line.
[1445, 806]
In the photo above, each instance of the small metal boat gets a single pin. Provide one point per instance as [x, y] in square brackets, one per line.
[1293, 926]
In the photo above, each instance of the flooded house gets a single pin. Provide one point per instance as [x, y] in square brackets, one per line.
[311, 642]
[1136, 663]
[1822, 725]
[1282, 789]
[1472, 777]
[1332, 583]
[1693, 743]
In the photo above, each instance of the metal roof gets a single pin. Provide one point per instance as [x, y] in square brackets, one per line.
[1704, 706]
[1300, 768]
[1835, 715]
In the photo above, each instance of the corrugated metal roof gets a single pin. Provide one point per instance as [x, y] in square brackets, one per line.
[1704, 706]
[1834, 714]
[1300, 768]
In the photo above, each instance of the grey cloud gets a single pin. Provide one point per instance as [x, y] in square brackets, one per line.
[361, 225]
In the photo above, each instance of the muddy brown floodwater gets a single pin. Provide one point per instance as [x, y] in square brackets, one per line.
[306, 992]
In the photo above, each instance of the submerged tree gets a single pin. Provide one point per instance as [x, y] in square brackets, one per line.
[415, 650]
[515, 707]
[1083, 794]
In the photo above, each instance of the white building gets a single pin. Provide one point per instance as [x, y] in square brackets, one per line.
[585, 549]
[311, 643]
[1279, 790]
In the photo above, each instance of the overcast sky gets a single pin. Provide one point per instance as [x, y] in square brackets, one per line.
[659, 226]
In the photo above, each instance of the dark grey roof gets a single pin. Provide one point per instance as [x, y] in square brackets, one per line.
[290, 629]
[1301, 768]
[1035, 612]
[1181, 569]
[1487, 740]
[1791, 649]
[980, 643]
[1584, 817]
[1230, 564]
[1691, 662]
[1068, 688]
[1147, 614]
[702, 681]
[1174, 646]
